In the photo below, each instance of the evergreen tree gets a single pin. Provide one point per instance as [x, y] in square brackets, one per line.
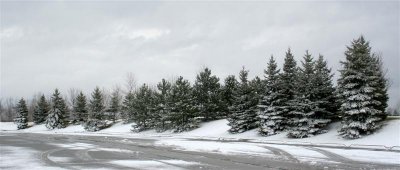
[41, 110]
[80, 111]
[228, 91]
[96, 112]
[162, 105]
[258, 86]
[21, 118]
[115, 105]
[324, 92]
[206, 92]
[143, 104]
[128, 107]
[58, 112]
[271, 105]
[288, 84]
[306, 118]
[183, 110]
[244, 114]
[362, 91]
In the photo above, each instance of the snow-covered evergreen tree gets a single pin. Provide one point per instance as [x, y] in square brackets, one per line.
[288, 80]
[58, 112]
[271, 106]
[21, 118]
[244, 110]
[128, 107]
[115, 105]
[183, 110]
[41, 110]
[228, 92]
[362, 91]
[206, 91]
[306, 118]
[144, 107]
[96, 112]
[80, 111]
[162, 106]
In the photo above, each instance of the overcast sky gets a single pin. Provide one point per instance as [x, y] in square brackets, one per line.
[47, 45]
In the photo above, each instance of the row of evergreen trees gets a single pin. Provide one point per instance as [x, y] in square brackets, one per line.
[299, 99]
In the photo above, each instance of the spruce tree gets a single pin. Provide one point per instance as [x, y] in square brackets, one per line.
[96, 112]
[244, 110]
[271, 105]
[206, 92]
[58, 112]
[306, 120]
[362, 91]
[21, 118]
[115, 105]
[128, 107]
[143, 105]
[162, 105]
[80, 109]
[288, 85]
[183, 109]
[227, 93]
[41, 110]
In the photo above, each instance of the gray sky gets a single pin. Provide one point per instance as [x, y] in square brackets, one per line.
[84, 44]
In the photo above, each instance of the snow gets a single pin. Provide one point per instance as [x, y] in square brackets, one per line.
[12, 157]
[213, 146]
[152, 164]
[368, 156]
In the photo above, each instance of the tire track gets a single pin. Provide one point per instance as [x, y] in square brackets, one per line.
[283, 154]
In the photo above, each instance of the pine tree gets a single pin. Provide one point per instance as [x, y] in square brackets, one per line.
[58, 111]
[183, 110]
[128, 107]
[228, 91]
[162, 105]
[40, 111]
[324, 92]
[271, 110]
[244, 114]
[143, 105]
[80, 109]
[362, 91]
[21, 118]
[305, 120]
[207, 95]
[288, 85]
[96, 112]
[115, 105]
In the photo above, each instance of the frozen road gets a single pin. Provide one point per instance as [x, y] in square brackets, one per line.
[43, 151]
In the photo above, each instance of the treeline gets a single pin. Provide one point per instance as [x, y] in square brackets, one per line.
[298, 98]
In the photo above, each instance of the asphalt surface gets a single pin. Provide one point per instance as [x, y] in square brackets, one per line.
[92, 152]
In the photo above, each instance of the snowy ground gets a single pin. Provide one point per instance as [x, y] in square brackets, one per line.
[212, 137]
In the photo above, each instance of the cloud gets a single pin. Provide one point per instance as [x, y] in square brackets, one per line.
[11, 33]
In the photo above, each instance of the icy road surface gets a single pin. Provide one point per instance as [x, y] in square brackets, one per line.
[44, 151]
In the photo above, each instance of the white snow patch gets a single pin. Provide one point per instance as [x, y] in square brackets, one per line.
[212, 146]
[21, 158]
[150, 164]
[368, 156]
[76, 146]
[60, 159]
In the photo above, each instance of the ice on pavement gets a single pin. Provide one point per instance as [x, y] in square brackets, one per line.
[152, 164]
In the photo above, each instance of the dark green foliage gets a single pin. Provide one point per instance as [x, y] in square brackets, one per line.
[115, 105]
[128, 107]
[244, 109]
[162, 106]
[41, 110]
[21, 118]
[80, 111]
[58, 112]
[271, 105]
[228, 92]
[96, 118]
[183, 110]
[206, 92]
[144, 107]
[362, 91]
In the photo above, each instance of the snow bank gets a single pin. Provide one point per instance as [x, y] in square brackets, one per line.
[389, 135]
